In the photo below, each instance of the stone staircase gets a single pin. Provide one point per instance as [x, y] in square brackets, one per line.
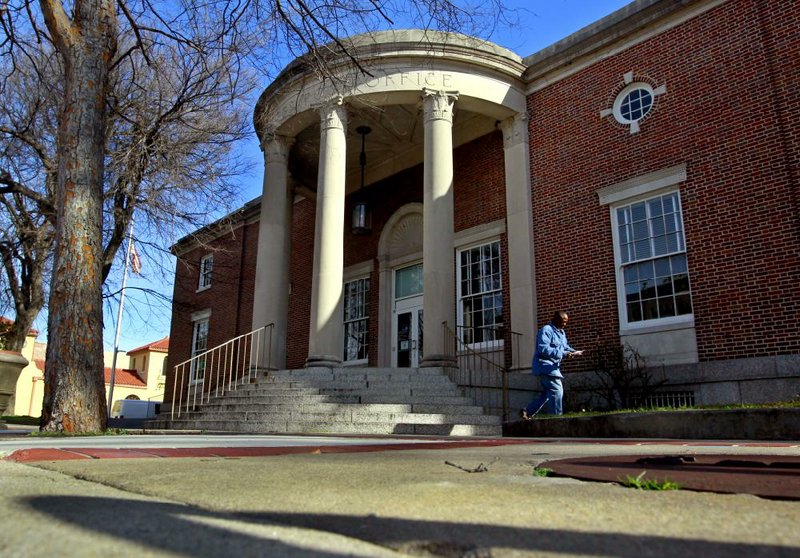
[341, 401]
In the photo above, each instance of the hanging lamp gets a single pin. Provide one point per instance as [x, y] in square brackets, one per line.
[362, 218]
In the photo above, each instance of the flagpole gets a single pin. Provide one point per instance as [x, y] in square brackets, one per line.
[119, 318]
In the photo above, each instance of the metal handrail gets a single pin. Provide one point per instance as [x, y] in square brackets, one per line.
[482, 368]
[223, 368]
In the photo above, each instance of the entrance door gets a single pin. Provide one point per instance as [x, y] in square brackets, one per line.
[408, 332]
[407, 323]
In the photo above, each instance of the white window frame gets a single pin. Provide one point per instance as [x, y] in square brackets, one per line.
[617, 107]
[631, 191]
[496, 343]
[364, 318]
[206, 270]
[197, 322]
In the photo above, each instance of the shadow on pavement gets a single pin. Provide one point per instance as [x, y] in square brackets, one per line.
[197, 532]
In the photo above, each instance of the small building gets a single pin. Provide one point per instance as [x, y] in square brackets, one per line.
[143, 377]
[641, 174]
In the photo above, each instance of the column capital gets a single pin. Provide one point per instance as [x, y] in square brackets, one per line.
[276, 147]
[438, 105]
[515, 130]
[333, 114]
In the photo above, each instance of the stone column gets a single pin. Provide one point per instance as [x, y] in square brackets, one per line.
[519, 223]
[437, 230]
[271, 295]
[325, 339]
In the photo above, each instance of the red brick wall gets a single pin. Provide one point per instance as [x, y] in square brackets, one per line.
[478, 197]
[731, 78]
[230, 297]
[729, 114]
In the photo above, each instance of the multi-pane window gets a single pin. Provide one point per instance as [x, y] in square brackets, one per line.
[356, 320]
[654, 272]
[480, 293]
[206, 265]
[199, 345]
[636, 104]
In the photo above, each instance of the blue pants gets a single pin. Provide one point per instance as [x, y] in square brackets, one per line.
[552, 393]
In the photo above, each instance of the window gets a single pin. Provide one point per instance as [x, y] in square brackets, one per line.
[206, 265]
[480, 294]
[408, 281]
[133, 363]
[356, 320]
[634, 100]
[653, 275]
[199, 345]
[633, 103]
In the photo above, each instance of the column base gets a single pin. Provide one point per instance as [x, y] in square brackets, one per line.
[323, 361]
[438, 361]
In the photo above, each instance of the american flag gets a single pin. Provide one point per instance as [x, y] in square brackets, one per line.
[136, 263]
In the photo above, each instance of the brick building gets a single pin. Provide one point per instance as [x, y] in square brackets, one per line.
[641, 173]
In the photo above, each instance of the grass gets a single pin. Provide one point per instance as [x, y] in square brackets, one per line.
[641, 483]
[34, 421]
[542, 472]
[791, 404]
[108, 432]
[26, 420]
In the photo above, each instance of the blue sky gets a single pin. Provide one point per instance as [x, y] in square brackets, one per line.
[542, 23]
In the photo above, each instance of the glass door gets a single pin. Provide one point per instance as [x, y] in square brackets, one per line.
[408, 333]
[407, 329]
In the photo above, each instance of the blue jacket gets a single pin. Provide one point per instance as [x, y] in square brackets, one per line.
[551, 346]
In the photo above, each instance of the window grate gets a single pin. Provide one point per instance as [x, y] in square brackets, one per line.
[673, 399]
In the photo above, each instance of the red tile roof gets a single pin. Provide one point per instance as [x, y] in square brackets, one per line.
[124, 377]
[160, 346]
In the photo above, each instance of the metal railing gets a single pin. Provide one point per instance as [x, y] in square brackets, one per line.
[220, 369]
[483, 358]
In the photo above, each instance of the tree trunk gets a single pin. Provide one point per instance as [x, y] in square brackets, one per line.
[74, 397]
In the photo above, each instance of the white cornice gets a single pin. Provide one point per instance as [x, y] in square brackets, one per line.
[635, 23]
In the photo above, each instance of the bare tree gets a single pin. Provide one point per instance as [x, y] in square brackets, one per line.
[27, 180]
[107, 50]
[622, 377]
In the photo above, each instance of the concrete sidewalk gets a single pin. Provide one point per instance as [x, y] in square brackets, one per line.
[381, 503]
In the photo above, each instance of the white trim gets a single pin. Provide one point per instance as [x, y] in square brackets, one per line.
[567, 65]
[485, 345]
[616, 109]
[193, 380]
[664, 324]
[200, 315]
[645, 184]
[684, 321]
[411, 304]
[361, 270]
[201, 286]
[479, 234]
[361, 276]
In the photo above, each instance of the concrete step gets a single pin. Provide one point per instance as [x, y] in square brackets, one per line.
[330, 408]
[351, 400]
[433, 383]
[354, 415]
[291, 427]
[341, 398]
[332, 387]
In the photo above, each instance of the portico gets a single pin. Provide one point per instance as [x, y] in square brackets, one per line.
[427, 93]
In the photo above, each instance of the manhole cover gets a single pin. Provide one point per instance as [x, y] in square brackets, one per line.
[770, 476]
